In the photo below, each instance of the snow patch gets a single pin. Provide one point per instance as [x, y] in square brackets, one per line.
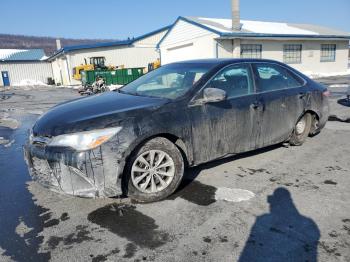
[9, 143]
[5, 53]
[339, 85]
[9, 123]
[233, 194]
[29, 82]
[256, 27]
[75, 87]
[22, 228]
[274, 28]
[320, 75]
[3, 141]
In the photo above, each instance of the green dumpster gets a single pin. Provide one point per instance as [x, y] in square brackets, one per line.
[112, 77]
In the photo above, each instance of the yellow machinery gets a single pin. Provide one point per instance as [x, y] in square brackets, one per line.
[154, 65]
[78, 69]
[96, 63]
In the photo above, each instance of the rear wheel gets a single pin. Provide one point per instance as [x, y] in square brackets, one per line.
[154, 171]
[301, 130]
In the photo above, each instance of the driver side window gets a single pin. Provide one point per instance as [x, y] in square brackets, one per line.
[235, 80]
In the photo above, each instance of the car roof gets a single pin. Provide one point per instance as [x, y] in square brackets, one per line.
[218, 61]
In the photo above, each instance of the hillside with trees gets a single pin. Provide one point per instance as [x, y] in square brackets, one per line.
[47, 43]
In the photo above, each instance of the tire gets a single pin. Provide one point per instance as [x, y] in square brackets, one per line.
[138, 173]
[300, 134]
[314, 130]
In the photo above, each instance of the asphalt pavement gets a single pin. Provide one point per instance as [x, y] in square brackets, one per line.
[275, 204]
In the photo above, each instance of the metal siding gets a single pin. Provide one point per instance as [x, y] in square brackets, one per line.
[129, 56]
[186, 41]
[38, 71]
[151, 40]
[183, 31]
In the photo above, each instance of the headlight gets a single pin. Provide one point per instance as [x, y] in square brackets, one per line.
[85, 140]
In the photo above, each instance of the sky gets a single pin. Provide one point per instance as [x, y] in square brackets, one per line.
[119, 19]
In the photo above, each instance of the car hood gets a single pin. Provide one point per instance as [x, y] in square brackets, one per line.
[94, 112]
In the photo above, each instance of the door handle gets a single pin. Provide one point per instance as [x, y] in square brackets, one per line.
[302, 95]
[255, 105]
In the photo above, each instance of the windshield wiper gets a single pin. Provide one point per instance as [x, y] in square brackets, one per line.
[128, 93]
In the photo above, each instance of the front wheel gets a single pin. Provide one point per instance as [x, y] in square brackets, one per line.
[155, 171]
[301, 130]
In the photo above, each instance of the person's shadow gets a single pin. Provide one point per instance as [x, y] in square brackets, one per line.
[283, 234]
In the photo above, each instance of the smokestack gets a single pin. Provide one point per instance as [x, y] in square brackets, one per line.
[58, 44]
[236, 19]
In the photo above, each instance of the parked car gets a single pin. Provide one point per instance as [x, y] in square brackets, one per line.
[138, 140]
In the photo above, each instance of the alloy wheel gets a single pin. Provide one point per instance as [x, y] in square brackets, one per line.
[300, 127]
[152, 171]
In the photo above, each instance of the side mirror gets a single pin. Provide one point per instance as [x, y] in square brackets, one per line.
[211, 95]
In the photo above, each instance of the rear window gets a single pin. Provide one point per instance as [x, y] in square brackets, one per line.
[272, 77]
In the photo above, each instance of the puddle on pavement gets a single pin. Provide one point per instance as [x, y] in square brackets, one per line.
[16, 202]
[80, 235]
[127, 222]
[5, 135]
[5, 96]
[195, 192]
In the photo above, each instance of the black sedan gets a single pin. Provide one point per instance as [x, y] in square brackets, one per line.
[138, 140]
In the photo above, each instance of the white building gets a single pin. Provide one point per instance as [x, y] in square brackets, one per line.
[136, 52]
[309, 48]
[18, 66]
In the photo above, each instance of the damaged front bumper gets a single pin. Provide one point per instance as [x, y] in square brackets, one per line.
[93, 173]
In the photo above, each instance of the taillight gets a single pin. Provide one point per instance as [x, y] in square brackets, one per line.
[326, 93]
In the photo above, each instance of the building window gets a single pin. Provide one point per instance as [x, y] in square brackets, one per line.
[328, 52]
[292, 54]
[251, 51]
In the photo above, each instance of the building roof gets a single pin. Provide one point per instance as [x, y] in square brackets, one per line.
[22, 55]
[249, 28]
[131, 41]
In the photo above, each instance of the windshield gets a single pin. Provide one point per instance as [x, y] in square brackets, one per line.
[170, 81]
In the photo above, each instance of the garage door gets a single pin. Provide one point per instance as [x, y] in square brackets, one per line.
[179, 53]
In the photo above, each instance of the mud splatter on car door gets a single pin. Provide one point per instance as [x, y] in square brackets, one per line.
[229, 126]
[281, 96]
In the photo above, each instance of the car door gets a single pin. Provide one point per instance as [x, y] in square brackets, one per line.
[229, 126]
[283, 97]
